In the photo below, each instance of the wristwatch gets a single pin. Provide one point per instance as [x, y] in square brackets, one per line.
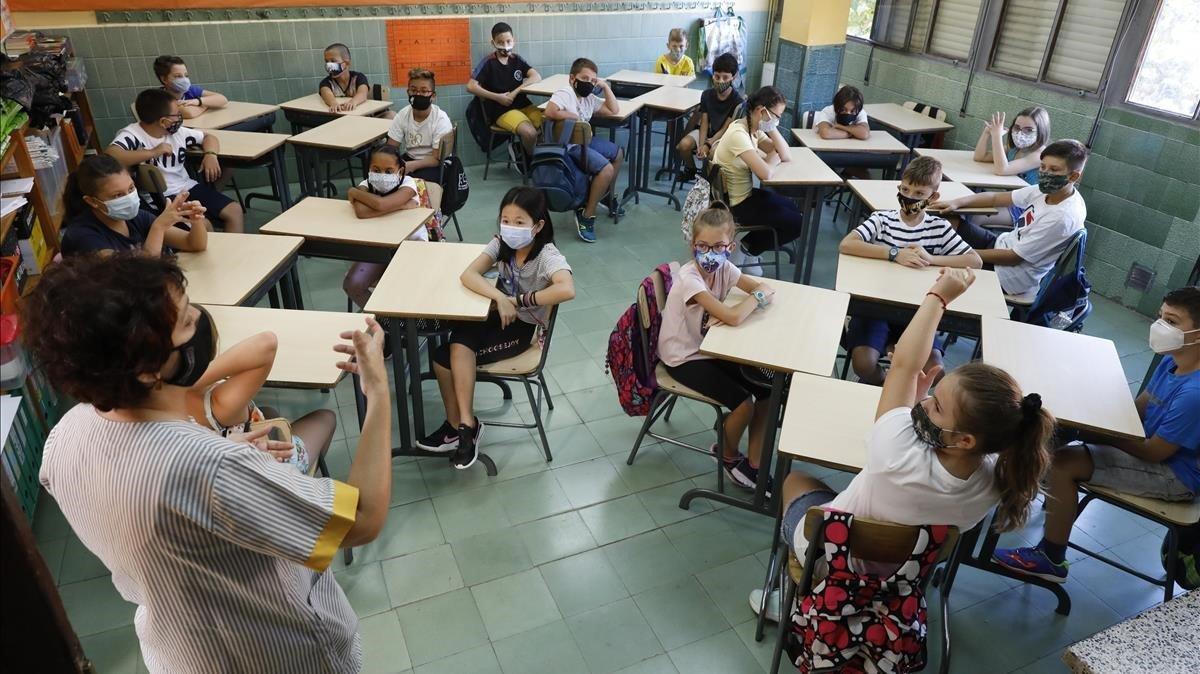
[892, 253]
[760, 297]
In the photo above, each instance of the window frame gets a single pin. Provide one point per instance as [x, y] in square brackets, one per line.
[1129, 59]
[923, 51]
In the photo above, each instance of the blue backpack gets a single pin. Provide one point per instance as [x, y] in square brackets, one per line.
[1063, 304]
[555, 173]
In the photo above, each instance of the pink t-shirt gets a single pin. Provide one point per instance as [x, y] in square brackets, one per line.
[682, 323]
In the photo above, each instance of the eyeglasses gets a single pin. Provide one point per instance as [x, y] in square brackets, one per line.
[420, 92]
[714, 248]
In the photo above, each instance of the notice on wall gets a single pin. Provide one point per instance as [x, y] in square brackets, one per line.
[441, 45]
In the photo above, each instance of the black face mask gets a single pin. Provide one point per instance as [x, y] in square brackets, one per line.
[420, 102]
[175, 124]
[909, 205]
[584, 89]
[196, 353]
[847, 118]
[927, 431]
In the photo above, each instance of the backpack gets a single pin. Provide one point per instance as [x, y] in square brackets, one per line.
[480, 128]
[1064, 303]
[630, 360]
[434, 225]
[1187, 559]
[455, 189]
[697, 200]
[552, 170]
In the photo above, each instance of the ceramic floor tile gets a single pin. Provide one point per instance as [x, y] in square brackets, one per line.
[408, 485]
[78, 563]
[384, 647]
[515, 604]
[596, 403]
[653, 469]
[52, 554]
[1125, 594]
[470, 513]
[562, 416]
[765, 649]
[525, 499]
[478, 660]
[113, 652]
[441, 626]
[492, 555]
[583, 582]
[441, 479]
[659, 664]
[549, 649]
[514, 458]
[663, 503]
[722, 653]
[591, 482]
[680, 612]
[555, 537]
[573, 444]
[365, 587]
[616, 520]
[646, 561]
[616, 435]
[409, 528]
[94, 606]
[729, 585]
[48, 522]
[579, 375]
[613, 637]
[420, 575]
[1051, 664]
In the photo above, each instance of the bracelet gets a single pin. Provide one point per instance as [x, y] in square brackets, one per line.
[213, 153]
[940, 298]
[533, 298]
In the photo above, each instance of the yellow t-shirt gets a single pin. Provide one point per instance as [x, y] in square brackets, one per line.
[684, 67]
[739, 180]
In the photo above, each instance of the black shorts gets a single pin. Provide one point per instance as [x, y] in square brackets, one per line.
[487, 339]
[725, 382]
[430, 174]
[211, 199]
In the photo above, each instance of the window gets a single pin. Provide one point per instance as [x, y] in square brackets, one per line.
[1167, 77]
[862, 14]
[941, 27]
[1065, 42]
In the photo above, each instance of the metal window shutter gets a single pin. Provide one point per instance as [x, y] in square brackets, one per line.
[1084, 41]
[954, 28]
[893, 27]
[920, 26]
[1022, 37]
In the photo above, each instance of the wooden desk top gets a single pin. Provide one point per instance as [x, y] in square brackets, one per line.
[880, 195]
[547, 85]
[334, 220]
[233, 266]
[891, 283]
[805, 168]
[1162, 639]
[671, 99]
[961, 167]
[344, 133]
[305, 358]
[876, 143]
[807, 433]
[313, 104]
[652, 79]
[422, 282]
[234, 112]
[773, 337]
[904, 120]
[1078, 376]
[246, 145]
[627, 108]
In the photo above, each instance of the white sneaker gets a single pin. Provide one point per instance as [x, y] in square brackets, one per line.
[756, 601]
[752, 265]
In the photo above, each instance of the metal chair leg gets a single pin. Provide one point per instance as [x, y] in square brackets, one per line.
[788, 599]
[656, 405]
[537, 419]
[487, 156]
[457, 229]
[546, 390]
[670, 408]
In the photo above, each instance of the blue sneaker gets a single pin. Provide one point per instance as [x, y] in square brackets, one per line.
[615, 209]
[585, 226]
[1031, 562]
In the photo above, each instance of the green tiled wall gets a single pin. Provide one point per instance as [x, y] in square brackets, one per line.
[275, 61]
[1142, 183]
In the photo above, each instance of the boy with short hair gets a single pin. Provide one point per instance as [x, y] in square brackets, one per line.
[1165, 465]
[846, 118]
[342, 82]
[193, 99]
[498, 80]
[1054, 212]
[419, 127]
[718, 106]
[675, 61]
[579, 102]
[159, 138]
[909, 236]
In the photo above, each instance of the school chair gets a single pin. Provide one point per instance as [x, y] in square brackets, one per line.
[717, 187]
[669, 390]
[1069, 262]
[151, 185]
[448, 147]
[869, 540]
[1176, 516]
[931, 140]
[527, 368]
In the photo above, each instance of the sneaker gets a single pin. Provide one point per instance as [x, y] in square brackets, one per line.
[756, 602]
[468, 446]
[444, 439]
[744, 475]
[585, 226]
[1031, 562]
[615, 209]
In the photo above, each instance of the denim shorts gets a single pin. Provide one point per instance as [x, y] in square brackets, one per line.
[794, 512]
[601, 152]
[878, 334]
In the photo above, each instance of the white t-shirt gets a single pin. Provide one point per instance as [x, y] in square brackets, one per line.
[1041, 236]
[682, 323]
[566, 99]
[421, 234]
[828, 116]
[419, 138]
[134, 137]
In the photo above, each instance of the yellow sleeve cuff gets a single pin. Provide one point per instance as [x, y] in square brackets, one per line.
[345, 509]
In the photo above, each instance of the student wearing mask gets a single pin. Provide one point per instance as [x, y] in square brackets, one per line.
[1015, 151]
[497, 82]
[194, 99]
[716, 112]
[846, 118]
[340, 82]
[419, 127]
[675, 61]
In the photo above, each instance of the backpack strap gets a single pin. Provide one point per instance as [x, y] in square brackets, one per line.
[568, 128]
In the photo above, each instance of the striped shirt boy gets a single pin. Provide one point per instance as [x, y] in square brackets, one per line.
[934, 234]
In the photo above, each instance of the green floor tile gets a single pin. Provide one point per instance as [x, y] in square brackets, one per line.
[525, 499]
[470, 513]
[646, 561]
[763, 650]
[680, 612]
[364, 586]
[384, 648]
[94, 606]
[492, 555]
[653, 469]
[663, 503]
[583, 582]
[479, 660]
[549, 649]
[113, 652]
[420, 575]
[556, 537]
[616, 520]
[591, 482]
[409, 528]
[515, 604]
[659, 664]
[722, 653]
[613, 637]
[52, 553]
[729, 585]
[441, 626]
[573, 444]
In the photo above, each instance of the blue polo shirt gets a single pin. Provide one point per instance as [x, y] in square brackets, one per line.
[194, 92]
[1173, 414]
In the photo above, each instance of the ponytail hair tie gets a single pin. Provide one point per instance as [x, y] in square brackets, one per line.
[1031, 405]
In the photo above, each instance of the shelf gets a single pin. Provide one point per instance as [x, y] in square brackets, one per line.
[7, 221]
[12, 146]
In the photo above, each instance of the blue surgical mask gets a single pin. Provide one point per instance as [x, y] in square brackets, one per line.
[711, 261]
[123, 208]
[516, 237]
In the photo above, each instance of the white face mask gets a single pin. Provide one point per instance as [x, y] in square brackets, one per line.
[383, 183]
[123, 208]
[768, 124]
[1023, 139]
[1165, 338]
[516, 237]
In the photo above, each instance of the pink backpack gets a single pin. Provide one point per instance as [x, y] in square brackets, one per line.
[631, 360]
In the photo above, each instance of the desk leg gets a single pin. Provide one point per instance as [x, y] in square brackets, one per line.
[293, 278]
[279, 175]
[631, 158]
[287, 291]
[812, 226]
[303, 172]
[647, 122]
[983, 562]
[398, 365]
[412, 350]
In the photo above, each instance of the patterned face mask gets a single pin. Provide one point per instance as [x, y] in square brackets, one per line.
[909, 205]
[927, 431]
[712, 260]
[1049, 183]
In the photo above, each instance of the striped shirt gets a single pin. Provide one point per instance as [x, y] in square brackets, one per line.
[934, 234]
[211, 540]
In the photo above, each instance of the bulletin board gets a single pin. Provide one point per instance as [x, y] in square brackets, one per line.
[441, 45]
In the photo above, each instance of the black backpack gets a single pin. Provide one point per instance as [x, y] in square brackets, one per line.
[552, 170]
[480, 128]
[455, 188]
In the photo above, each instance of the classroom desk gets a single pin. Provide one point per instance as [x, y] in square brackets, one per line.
[639, 77]
[804, 178]
[247, 149]
[305, 358]
[310, 111]
[422, 281]
[339, 139]
[961, 167]
[238, 269]
[673, 104]
[770, 338]
[908, 124]
[330, 229]
[889, 291]
[1162, 640]
[885, 150]
[807, 433]
[880, 195]
[235, 116]
[547, 85]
